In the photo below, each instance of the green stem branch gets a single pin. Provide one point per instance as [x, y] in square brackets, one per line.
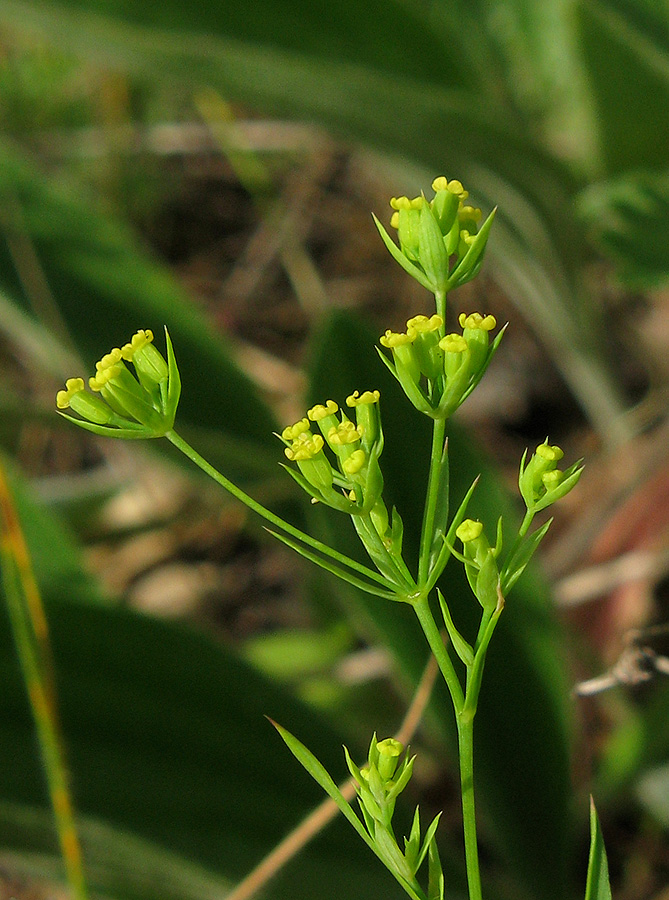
[266, 514]
[466, 752]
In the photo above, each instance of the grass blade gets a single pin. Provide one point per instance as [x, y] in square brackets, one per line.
[31, 636]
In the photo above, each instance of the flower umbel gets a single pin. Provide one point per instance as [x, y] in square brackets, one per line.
[438, 372]
[440, 243]
[540, 481]
[124, 405]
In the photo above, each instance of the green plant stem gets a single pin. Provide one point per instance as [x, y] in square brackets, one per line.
[522, 531]
[465, 710]
[266, 514]
[421, 605]
[466, 753]
[434, 481]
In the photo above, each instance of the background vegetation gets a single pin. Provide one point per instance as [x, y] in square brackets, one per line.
[211, 166]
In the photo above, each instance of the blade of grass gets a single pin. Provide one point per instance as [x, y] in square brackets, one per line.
[31, 636]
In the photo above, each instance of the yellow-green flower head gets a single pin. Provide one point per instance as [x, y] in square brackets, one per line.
[397, 339]
[358, 399]
[453, 343]
[72, 386]
[139, 405]
[424, 324]
[291, 432]
[469, 530]
[345, 433]
[138, 341]
[320, 411]
[550, 453]
[354, 463]
[476, 320]
[305, 446]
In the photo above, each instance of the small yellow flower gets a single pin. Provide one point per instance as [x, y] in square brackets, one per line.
[424, 324]
[138, 341]
[397, 339]
[345, 433]
[72, 386]
[291, 432]
[453, 343]
[469, 530]
[104, 374]
[356, 398]
[550, 453]
[305, 446]
[320, 411]
[476, 320]
[354, 463]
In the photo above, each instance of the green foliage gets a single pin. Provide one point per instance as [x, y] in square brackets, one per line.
[597, 884]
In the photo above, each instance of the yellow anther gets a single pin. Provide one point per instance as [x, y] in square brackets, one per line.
[418, 202]
[392, 339]
[294, 431]
[423, 324]
[455, 187]
[103, 376]
[346, 433]
[472, 213]
[453, 343]
[440, 183]
[109, 359]
[356, 398]
[72, 386]
[466, 237]
[318, 412]
[552, 454]
[400, 203]
[395, 220]
[140, 339]
[469, 530]
[354, 463]
[476, 320]
[306, 446]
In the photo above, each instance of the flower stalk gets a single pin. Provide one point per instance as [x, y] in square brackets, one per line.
[334, 453]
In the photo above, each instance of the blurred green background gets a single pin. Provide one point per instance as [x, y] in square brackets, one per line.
[211, 166]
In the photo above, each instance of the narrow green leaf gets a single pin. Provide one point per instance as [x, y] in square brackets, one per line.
[464, 650]
[400, 258]
[518, 561]
[598, 886]
[435, 890]
[429, 838]
[322, 777]
[331, 567]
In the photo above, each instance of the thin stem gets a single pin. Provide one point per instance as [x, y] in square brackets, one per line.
[440, 299]
[433, 485]
[421, 606]
[266, 514]
[466, 751]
